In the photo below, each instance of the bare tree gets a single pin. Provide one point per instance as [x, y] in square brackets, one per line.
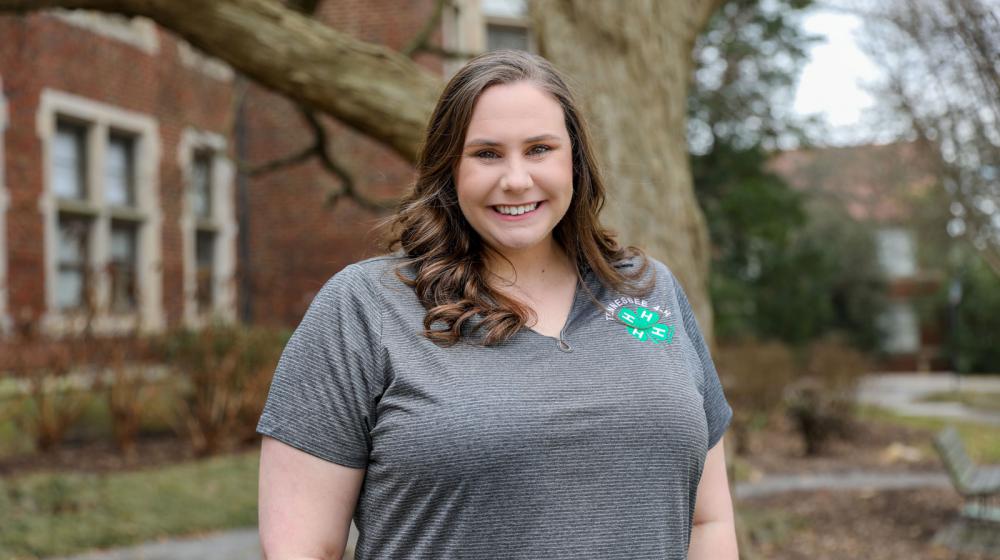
[942, 65]
[632, 65]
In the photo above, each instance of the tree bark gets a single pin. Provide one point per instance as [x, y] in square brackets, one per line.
[632, 67]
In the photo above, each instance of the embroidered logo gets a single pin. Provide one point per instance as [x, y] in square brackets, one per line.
[643, 324]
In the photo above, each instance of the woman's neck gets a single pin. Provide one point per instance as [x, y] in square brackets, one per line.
[538, 269]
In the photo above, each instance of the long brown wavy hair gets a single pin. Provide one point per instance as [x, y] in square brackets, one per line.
[448, 256]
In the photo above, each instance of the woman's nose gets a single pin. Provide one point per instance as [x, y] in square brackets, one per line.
[517, 176]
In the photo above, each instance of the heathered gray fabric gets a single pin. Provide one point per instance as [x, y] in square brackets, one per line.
[521, 451]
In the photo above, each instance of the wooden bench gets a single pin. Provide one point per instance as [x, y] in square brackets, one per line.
[978, 483]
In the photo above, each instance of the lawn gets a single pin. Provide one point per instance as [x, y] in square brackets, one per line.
[47, 514]
[986, 402]
[981, 441]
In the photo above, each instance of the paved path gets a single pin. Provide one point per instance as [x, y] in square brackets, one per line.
[897, 392]
[900, 393]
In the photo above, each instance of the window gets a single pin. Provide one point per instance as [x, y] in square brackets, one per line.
[474, 26]
[895, 252]
[901, 328]
[102, 216]
[209, 226]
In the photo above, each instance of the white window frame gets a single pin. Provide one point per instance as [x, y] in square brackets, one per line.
[139, 32]
[223, 221]
[464, 24]
[5, 319]
[101, 119]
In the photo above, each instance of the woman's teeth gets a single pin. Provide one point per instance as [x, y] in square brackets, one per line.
[516, 210]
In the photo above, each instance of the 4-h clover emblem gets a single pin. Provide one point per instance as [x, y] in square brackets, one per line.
[642, 325]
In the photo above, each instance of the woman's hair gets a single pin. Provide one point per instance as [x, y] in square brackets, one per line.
[447, 254]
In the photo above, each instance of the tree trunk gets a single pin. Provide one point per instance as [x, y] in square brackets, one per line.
[632, 67]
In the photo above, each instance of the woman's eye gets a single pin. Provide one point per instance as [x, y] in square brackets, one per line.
[537, 150]
[487, 154]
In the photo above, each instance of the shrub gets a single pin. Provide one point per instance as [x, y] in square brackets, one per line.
[225, 371]
[821, 401]
[756, 374]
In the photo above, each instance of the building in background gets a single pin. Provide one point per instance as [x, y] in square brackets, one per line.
[883, 186]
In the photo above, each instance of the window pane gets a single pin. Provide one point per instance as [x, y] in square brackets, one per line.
[204, 256]
[71, 283]
[506, 37]
[201, 185]
[895, 252]
[69, 161]
[122, 267]
[119, 171]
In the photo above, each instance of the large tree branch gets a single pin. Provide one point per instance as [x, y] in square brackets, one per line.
[372, 89]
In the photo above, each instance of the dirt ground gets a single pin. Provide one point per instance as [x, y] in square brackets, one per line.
[893, 525]
[874, 525]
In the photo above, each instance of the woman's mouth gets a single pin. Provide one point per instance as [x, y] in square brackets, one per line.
[516, 212]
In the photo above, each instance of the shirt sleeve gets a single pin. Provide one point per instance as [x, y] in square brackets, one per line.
[717, 409]
[324, 391]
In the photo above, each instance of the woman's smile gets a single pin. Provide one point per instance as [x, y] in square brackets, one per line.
[518, 212]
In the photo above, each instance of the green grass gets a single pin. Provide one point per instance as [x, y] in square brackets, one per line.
[981, 441]
[66, 513]
[986, 402]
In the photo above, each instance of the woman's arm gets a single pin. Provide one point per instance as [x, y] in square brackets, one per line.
[713, 536]
[305, 503]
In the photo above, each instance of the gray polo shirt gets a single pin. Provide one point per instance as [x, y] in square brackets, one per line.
[588, 446]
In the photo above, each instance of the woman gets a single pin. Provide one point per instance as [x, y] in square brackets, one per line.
[510, 382]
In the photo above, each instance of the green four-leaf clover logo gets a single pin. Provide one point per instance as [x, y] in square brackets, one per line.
[642, 325]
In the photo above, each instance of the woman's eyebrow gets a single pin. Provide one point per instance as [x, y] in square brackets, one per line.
[488, 142]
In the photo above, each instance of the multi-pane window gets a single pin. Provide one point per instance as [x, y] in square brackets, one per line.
[202, 190]
[88, 203]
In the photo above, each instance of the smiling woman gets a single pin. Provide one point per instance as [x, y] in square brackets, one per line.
[481, 391]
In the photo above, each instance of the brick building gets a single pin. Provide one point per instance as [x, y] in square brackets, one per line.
[124, 158]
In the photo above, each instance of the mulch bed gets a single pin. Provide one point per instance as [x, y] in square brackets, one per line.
[779, 450]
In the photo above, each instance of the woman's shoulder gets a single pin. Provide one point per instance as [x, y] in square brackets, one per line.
[634, 262]
[372, 276]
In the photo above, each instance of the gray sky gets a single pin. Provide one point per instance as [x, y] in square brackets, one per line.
[831, 83]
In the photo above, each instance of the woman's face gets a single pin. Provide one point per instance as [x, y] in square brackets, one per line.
[515, 176]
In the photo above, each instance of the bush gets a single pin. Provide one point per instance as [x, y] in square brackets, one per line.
[757, 374]
[225, 371]
[821, 401]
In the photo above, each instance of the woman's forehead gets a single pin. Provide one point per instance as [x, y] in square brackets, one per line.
[516, 112]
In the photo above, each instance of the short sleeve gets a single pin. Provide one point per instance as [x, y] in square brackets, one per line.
[323, 395]
[717, 409]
